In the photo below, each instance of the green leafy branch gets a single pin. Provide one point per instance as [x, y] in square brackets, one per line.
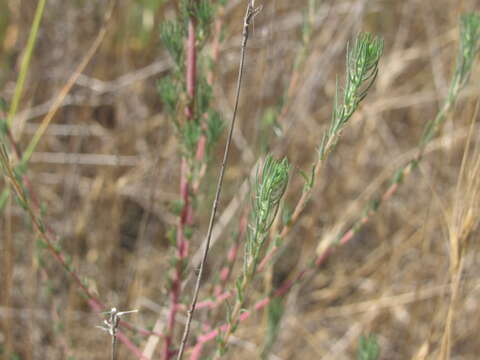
[362, 70]
[173, 88]
[14, 177]
[269, 188]
[468, 50]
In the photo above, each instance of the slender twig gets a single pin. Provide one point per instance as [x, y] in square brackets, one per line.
[237, 201]
[249, 15]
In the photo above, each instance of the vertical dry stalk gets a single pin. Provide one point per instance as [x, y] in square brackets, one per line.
[464, 221]
[249, 14]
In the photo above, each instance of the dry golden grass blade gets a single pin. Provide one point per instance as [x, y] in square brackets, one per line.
[464, 220]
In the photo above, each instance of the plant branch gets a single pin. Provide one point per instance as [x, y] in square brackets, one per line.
[185, 217]
[250, 13]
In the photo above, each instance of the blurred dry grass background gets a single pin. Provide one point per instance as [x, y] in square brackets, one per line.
[108, 170]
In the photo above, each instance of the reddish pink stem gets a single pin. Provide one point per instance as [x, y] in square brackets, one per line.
[214, 303]
[191, 67]
[186, 216]
[201, 147]
[226, 271]
[182, 253]
[211, 335]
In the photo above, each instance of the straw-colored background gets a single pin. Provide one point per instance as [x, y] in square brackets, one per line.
[108, 170]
